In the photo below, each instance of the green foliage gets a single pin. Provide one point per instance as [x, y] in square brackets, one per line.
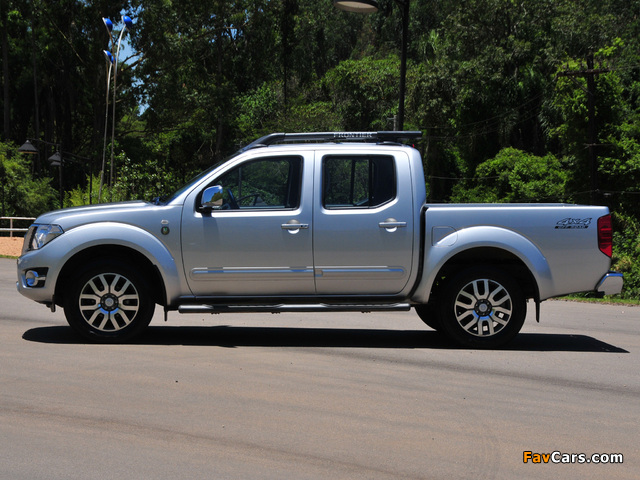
[319, 116]
[363, 92]
[135, 181]
[22, 195]
[257, 111]
[515, 176]
[85, 196]
[626, 241]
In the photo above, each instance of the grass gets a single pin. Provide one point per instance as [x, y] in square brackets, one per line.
[612, 300]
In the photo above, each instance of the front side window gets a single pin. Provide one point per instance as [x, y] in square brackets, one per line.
[268, 183]
[363, 181]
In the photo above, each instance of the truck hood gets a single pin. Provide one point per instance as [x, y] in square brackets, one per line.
[72, 217]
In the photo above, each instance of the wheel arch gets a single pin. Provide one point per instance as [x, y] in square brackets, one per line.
[494, 246]
[496, 258]
[111, 251]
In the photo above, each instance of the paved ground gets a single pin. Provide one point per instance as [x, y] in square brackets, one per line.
[347, 396]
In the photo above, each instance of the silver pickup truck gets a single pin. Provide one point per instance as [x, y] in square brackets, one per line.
[315, 222]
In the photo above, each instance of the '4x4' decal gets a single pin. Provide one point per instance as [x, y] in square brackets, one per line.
[573, 223]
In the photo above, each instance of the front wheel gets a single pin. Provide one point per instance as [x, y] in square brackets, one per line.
[430, 315]
[482, 307]
[108, 302]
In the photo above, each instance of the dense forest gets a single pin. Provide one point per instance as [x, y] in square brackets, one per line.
[518, 101]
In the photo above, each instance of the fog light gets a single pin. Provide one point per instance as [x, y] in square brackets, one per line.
[34, 279]
[31, 277]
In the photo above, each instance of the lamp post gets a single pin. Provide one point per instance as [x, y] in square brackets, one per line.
[58, 160]
[28, 148]
[112, 59]
[370, 6]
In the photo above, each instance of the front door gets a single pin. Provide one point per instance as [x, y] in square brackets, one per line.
[260, 241]
[363, 224]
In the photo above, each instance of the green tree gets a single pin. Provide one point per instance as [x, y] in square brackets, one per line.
[22, 195]
[515, 176]
[363, 92]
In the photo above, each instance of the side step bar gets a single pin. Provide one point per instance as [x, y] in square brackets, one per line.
[396, 307]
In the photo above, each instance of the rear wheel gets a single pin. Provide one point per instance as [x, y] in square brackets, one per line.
[108, 302]
[482, 307]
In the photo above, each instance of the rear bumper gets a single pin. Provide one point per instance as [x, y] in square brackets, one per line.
[610, 283]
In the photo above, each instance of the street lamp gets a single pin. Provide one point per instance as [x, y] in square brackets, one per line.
[369, 6]
[60, 158]
[57, 160]
[28, 148]
[360, 6]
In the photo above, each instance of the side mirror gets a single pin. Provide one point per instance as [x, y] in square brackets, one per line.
[211, 199]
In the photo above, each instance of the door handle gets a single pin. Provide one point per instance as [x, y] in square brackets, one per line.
[295, 226]
[392, 223]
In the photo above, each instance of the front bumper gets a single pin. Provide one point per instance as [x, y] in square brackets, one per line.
[35, 281]
[610, 284]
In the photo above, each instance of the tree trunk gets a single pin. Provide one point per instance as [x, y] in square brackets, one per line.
[5, 76]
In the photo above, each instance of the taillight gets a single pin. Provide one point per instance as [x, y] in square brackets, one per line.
[605, 235]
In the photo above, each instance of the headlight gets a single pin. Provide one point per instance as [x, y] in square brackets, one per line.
[39, 235]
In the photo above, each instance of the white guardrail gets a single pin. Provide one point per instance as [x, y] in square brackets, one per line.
[11, 229]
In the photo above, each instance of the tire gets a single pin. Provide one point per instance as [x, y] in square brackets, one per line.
[108, 302]
[482, 307]
[430, 315]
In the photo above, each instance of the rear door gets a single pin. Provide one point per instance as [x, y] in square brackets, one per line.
[363, 223]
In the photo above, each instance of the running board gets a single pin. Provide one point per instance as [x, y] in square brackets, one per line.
[395, 307]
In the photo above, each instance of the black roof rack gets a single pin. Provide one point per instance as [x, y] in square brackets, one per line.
[388, 136]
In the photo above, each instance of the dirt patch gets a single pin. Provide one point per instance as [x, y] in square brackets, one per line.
[11, 246]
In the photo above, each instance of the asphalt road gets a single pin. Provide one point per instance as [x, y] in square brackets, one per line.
[335, 396]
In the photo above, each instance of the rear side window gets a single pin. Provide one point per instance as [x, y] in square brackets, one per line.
[362, 181]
